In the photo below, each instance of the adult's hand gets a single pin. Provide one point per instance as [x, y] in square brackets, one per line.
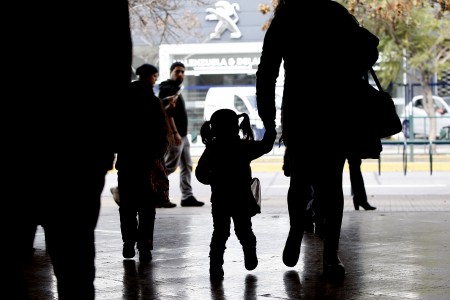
[177, 138]
[269, 125]
[271, 134]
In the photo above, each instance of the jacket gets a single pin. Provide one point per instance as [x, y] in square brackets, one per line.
[179, 113]
[142, 129]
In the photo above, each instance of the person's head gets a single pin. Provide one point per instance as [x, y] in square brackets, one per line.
[177, 72]
[224, 123]
[147, 72]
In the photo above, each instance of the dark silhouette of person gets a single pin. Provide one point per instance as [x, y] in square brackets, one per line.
[310, 48]
[144, 142]
[357, 184]
[178, 154]
[225, 166]
[63, 133]
[148, 74]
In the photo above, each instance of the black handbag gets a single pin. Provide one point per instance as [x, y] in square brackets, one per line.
[371, 112]
[386, 121]
[372, 117]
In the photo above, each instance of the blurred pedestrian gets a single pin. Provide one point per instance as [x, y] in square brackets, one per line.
[178, 154]
[225, 166]
[64, 136]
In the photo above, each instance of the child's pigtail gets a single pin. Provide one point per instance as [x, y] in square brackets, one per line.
[206, 133]
[246, 127]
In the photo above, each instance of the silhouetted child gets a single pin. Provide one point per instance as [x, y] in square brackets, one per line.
[225, 166]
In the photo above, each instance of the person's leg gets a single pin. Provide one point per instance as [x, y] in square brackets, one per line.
[299, 194]
[356, 181]
[160, 185]
[172, 157]
[310, 213]
[147, 212]
[185, 169]
[187, 196]
[328, 192]
[286, 166]
[129, 195]
[220, 235]
[357, 184]
[69, 230]
[23, 240]
[245, 235]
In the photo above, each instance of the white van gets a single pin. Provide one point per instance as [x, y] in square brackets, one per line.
[241, 99]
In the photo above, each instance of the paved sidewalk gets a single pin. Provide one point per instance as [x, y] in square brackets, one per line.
[399, 251]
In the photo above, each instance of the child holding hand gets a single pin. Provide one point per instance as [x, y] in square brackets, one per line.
[225, 166]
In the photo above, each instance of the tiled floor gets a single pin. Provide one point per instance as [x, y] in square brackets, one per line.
[399, 251]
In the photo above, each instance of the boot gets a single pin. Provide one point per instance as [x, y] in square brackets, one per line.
[332, 265]
[250, 258]
[145, 250]
[128, 250]
[216, 265]
[216, 272]
[145, 255]
[291, 250]
[364, 205]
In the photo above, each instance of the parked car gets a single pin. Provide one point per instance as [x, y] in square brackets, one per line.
[416, 120]
[241, 99]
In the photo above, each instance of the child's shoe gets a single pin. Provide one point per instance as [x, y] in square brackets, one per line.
[250, 258]
[128, 250]
[216, 272]
[145, 256]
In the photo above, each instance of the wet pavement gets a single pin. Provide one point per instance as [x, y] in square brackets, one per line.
[399, 251]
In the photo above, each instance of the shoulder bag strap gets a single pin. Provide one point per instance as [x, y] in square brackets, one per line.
[375, 78]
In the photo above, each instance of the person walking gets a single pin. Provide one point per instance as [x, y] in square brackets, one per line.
[225, 166]
[357, 184]
[319, 162]
[144, 140]
[178, 154]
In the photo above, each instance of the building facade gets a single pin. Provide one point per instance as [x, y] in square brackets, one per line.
[227, 56]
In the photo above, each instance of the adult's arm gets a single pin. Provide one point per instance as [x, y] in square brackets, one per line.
[268, 71]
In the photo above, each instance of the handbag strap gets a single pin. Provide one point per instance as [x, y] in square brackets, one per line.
[375, 78]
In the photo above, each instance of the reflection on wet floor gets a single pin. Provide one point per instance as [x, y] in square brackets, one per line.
[388, 255]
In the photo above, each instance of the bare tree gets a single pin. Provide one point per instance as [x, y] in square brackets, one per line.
[154, 22]
[265, 9]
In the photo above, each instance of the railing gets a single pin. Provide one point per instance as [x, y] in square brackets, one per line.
[405, 143]
[430, 150]
[423, 122]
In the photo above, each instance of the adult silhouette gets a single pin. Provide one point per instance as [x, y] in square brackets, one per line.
[319, 55]
[139, 163]
[81, 66]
